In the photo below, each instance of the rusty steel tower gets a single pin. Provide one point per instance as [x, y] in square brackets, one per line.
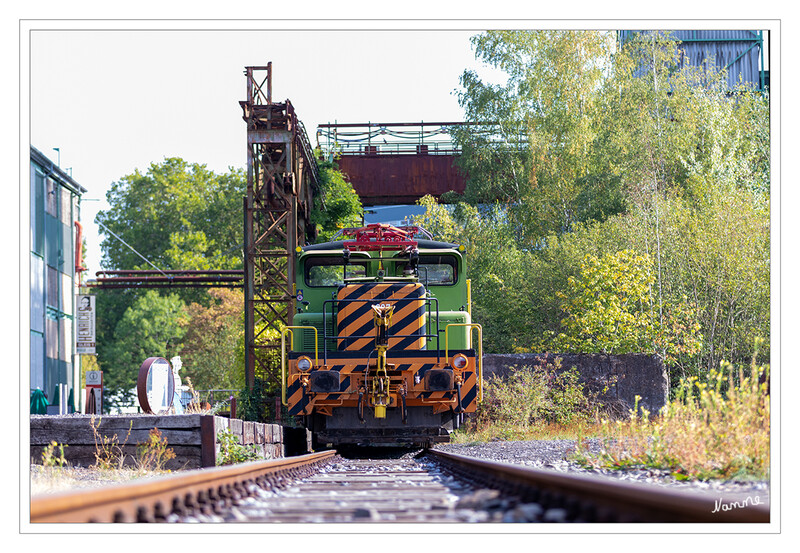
[282, 177]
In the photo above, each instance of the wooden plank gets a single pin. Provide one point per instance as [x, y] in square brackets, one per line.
[208, 439]
[236, 427]
[85, 456]
[220, 425]
[86, 437]
[117, 421]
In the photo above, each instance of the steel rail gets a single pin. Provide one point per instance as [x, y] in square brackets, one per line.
[598, 500]
[154, 499]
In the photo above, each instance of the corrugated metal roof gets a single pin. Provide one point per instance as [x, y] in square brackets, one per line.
[737, 51]
[48, 166]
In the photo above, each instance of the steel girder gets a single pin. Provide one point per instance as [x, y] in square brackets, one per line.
[281, 178]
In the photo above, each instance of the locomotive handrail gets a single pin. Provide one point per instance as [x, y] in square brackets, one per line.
[290, 329]
[469, 297]
[479, 353]
[326, 338]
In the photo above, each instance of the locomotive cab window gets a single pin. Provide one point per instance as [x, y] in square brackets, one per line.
[330, 271]
[436, 270]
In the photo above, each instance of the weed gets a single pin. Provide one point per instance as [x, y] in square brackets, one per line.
[154, 453]
[195, 406]
[109, 452]
[199, 407]
[713, 428]
[232, 452]
[49, 457]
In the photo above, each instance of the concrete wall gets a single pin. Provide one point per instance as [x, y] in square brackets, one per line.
[624, 376]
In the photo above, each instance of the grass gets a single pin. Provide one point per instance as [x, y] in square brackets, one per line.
[47, 480]
[491, 432]
[715, 428]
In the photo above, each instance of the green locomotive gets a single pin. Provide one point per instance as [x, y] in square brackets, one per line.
[382, 348]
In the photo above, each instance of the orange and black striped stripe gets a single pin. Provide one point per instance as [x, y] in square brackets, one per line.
[354, 320]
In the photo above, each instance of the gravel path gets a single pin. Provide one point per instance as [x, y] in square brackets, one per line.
[555, 455]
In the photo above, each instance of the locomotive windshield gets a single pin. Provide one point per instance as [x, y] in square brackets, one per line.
[329, 271]
[436, 270]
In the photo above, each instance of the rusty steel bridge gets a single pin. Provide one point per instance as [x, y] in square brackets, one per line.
[394, 163]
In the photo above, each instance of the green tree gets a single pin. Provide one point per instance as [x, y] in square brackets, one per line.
[212, 352]
[609, 309]
[152, 327]
[608, 306]
[717, 254]
[667, 124]
[596, 148]
[337, 205]
[437, 219]
[178, 215]
[534, 148]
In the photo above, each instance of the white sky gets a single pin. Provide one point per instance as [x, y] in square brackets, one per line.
[119, 95]
[118, 100]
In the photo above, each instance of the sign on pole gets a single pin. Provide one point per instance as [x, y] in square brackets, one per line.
[94, 392]
[85, 329]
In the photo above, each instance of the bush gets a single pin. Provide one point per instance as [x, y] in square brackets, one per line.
[535, 395]
[154, 453]
[252, 403]
[232, 452]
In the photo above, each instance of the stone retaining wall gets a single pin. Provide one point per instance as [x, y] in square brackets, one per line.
[623, 377]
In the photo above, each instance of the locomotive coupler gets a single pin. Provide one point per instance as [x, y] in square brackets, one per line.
[380, 386]
[380, 382]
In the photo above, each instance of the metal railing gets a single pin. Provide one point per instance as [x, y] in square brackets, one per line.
[429, 302]
[387, 138]
[478, 353]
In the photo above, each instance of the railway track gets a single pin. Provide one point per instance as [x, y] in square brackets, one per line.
[434, 487]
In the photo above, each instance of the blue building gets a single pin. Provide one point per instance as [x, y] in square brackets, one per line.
[54, 260]
[743, 54]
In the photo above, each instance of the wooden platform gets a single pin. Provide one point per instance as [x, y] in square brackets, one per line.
[193, 438]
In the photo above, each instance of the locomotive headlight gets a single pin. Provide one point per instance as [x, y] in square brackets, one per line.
[459, 361]
[304, 364]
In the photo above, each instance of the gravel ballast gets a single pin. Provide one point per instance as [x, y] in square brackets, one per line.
[556, 455]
